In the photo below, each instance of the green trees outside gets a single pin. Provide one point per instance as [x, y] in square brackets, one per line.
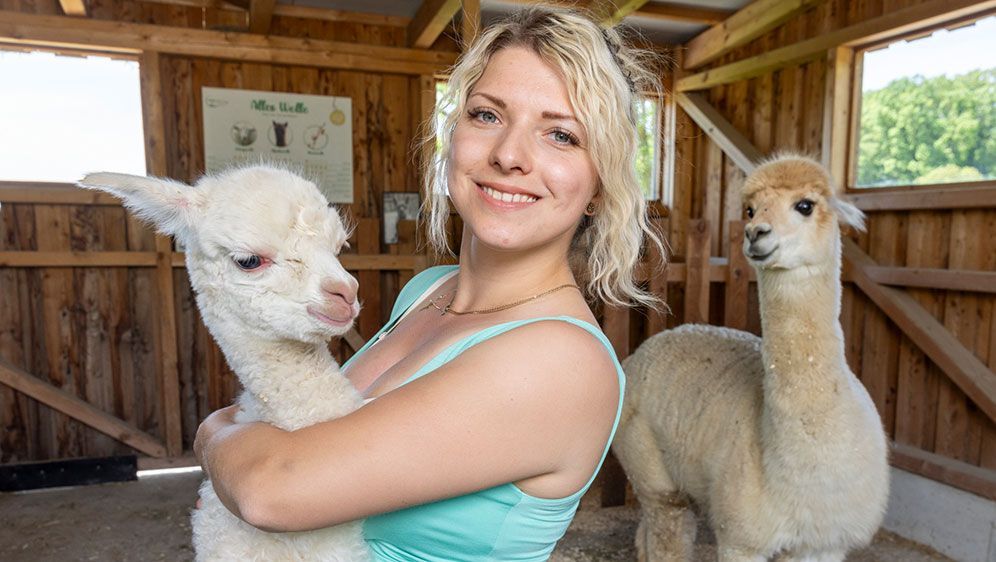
[648, 131]
[920, 131]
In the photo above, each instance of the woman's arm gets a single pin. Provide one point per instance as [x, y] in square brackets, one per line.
[534, 403]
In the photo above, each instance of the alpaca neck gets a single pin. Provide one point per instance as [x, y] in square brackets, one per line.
[802, 348]
[266, 367]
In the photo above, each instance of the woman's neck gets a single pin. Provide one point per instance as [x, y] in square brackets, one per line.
[490, 278]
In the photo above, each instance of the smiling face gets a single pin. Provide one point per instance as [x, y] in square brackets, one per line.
[519, 172]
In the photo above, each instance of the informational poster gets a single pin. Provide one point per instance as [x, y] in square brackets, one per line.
[314, 134]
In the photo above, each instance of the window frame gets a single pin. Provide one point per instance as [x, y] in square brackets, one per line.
[658, 189]
[855, 75]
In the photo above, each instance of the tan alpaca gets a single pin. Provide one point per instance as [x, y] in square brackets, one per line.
[774, 439]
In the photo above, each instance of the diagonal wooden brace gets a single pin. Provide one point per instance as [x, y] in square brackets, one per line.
[79, 410]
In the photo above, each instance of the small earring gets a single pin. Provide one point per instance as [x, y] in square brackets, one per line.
[590, 209]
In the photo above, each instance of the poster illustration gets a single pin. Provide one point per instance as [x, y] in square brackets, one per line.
[312, 134]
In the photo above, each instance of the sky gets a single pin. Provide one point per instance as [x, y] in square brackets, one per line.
[943, 52]
[63, 117]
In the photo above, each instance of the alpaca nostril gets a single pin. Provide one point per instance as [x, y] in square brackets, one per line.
[345, 290]
[754, 234]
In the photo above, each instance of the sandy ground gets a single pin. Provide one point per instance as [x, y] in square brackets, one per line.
[148, 520]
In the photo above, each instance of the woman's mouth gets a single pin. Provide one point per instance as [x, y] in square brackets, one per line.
[505, 199]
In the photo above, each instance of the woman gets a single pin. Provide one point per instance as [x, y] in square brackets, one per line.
[493, 395]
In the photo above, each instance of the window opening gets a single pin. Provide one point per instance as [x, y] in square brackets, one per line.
[66, 115]
[928, 109]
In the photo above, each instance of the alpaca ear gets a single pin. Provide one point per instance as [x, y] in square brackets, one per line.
[848, 214]
[171, 206]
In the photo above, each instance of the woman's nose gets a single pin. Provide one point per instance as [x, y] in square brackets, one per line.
[510, 152]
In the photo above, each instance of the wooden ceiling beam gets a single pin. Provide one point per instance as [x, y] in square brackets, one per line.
[611, 12]
[73, 7]
[683, 12]
[652, 10]
[470, 24]
[748, 23]
[116, 36]
[892, 24]
[295, 11]
[732, 142]
[429, 22]
[261, 15]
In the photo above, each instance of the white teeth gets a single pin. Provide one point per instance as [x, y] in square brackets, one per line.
[508, 197]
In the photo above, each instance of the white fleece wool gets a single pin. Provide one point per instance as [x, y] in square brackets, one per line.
[260, 320]
[774, 439]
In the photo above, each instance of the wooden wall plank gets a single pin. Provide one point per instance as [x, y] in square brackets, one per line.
[697, 273]
[368, 242]
[67, 402]
[961, 366]
[737, 279]
[918, 378]
[880, 349]
[959, 423]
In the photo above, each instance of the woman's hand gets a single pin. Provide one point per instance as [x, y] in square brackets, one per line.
[211, 425]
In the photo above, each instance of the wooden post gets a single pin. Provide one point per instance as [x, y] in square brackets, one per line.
[837, 112]
[697, 273]
[368, 242]
[155, 158]
[657, 320]
[406, 247]
[615, 324]
[737, 279]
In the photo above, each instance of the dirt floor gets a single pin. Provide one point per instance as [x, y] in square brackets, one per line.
[148, 520]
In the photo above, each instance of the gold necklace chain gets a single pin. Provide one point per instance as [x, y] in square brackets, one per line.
[448, 309]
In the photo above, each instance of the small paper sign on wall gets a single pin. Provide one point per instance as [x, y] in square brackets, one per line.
[312, 134]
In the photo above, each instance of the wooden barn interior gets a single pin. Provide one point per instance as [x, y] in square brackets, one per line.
[102, 351]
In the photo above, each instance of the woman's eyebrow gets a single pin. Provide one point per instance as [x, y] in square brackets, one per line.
[558, 116]
[492, 99]
[546, 114]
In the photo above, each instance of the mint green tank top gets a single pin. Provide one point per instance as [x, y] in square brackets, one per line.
[502, 523]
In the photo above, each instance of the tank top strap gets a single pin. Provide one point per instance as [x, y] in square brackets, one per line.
[410, 294]
[414, 290]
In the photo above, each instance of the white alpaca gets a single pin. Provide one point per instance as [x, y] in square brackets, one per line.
[261, 248]
[774, 438]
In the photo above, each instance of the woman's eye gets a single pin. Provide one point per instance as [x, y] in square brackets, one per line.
[750, 212]
[249, 263]
[484, 115]
[564, 137]
[805, 207]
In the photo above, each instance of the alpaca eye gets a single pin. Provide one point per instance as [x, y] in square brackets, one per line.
[248, 263]
[750, 212]
[805, 207]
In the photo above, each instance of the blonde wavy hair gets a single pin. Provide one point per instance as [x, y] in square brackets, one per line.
[603, 77]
